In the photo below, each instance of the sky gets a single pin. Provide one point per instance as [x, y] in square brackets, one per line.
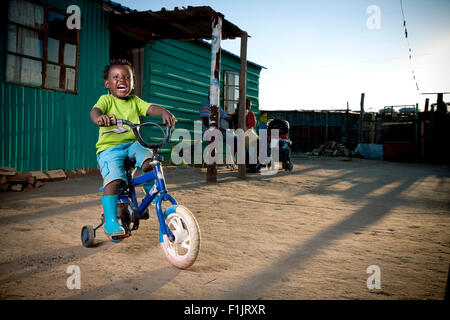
[322, 54]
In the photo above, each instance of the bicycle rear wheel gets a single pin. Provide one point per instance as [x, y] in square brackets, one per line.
[183, 250]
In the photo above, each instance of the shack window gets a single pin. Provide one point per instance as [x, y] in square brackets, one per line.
[231, 91]
[41, 51]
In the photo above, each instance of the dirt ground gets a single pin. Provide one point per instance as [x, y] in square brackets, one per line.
[308, 234]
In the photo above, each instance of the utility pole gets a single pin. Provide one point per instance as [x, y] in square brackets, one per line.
[242, 96]
[348, 132]
[361, 119]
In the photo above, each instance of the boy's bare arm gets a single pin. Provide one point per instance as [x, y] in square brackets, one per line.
[158, 111]
[100, 119]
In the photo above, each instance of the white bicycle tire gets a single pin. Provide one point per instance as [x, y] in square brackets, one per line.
[183, 251]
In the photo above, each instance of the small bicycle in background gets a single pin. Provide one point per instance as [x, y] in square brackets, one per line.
[179, 233]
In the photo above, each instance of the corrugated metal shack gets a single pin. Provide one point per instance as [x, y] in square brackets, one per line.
[400, 136]
[410, 135]
[310, 129]
[52, 75]
[48, 128]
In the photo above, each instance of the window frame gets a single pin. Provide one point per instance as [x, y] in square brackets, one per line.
[225, 86]
[44, 32]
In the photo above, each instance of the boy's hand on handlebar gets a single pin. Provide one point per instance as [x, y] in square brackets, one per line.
[106, 120]
[167, 117]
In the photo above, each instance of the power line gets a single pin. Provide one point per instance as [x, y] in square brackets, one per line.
[409, 46]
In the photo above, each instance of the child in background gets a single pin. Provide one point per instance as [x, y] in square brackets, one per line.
[112, 149]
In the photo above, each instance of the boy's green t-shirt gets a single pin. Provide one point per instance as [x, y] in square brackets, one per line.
[130, 109]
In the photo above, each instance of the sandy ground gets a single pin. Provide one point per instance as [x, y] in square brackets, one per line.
[308, 234]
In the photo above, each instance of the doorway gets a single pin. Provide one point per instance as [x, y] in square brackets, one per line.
[124, 47]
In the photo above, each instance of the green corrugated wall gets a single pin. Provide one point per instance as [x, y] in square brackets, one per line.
[178, 73]
[44, 130]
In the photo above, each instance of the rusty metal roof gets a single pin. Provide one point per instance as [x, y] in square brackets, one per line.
[186, 23]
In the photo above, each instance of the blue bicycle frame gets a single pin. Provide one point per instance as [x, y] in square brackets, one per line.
[158, 188]
[157, 174]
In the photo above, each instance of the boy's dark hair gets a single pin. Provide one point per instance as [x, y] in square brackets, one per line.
[117, 62]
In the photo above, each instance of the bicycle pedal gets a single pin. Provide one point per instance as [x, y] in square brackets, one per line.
[145, 215]
[119, 238]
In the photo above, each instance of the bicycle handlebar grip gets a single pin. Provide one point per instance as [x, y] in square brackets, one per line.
[121, 122]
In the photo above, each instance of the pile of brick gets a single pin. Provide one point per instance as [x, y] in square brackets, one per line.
[332, 149]
[13, 180]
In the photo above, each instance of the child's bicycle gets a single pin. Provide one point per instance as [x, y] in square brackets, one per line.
[179, 234]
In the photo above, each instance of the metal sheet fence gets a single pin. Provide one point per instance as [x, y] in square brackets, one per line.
[311, 129]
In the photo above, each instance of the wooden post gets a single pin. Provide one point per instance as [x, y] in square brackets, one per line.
[422, 140]
[427, 103]
[361, 119]
[348, 132]
[214, 99]
[416, 120]
[242, 95]
[372, 128]
[441, 107]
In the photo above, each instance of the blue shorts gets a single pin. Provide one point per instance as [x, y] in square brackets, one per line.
[111, 160]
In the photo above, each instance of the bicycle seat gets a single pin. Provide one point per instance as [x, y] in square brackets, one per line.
[129, 163]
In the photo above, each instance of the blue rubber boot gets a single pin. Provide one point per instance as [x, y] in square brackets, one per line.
[112, 226]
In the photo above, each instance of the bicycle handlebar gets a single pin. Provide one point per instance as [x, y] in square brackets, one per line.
[120, 129]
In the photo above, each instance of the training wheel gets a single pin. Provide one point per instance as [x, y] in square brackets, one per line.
[87, 236]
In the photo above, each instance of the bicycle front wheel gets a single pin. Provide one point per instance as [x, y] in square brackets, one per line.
[183, 250]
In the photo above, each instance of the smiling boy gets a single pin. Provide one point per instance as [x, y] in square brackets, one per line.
[112, 149]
